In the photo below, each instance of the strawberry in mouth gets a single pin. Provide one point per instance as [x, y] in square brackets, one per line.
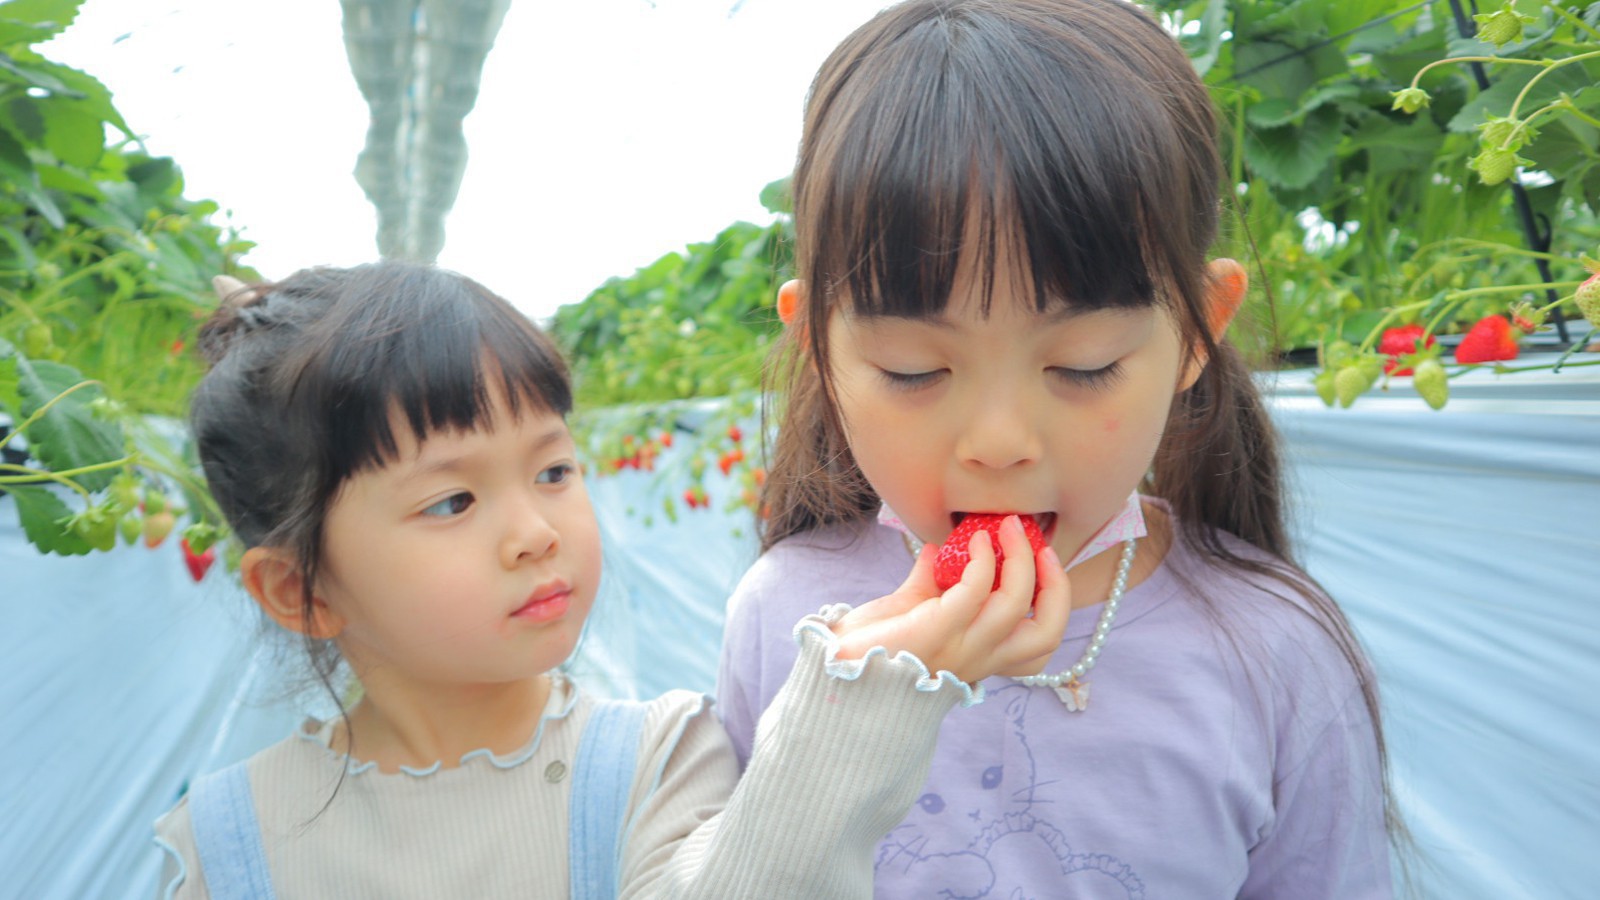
[954, 555]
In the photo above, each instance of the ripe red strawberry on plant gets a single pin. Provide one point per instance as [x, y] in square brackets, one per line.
[1397, 342]
[1491, 339]
[954, 555]
[198, 563]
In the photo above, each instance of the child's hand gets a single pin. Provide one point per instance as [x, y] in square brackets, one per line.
[968, 630]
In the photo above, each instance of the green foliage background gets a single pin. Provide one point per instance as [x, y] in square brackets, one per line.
[104, 273]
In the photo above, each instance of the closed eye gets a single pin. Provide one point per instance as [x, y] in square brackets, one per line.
[1093, 379]
[453, 505]
[909, 381]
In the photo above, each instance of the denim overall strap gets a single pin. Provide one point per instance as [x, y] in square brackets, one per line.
[602, 777]
[227, 836]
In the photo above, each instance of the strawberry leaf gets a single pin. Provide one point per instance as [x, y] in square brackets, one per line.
[68, 436]
[10, 383]
[44, 520]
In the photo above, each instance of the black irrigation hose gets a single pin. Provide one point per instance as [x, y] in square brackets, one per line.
[1538, 241]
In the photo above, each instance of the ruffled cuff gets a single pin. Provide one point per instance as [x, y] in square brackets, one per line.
[817, 630]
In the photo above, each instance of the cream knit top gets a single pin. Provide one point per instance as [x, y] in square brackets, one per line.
[839, 758]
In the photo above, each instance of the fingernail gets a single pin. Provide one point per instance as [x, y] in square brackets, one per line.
[1050, 557]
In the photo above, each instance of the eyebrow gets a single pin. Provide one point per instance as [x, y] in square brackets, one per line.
[461, 461]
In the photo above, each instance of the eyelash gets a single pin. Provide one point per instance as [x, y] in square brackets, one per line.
[909, 381]
[1093, 379]
[565, 470]
[461, 501]
[451, 511]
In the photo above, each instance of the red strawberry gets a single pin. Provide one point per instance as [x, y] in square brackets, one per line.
[1490, 340]
[198, 563]
[1397, 342]
[954, 556]
[734, 434]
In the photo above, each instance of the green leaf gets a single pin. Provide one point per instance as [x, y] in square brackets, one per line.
[44, 516]
[1507, 83]
[69, 436]
[1208, 43]
[1278, 111]
[10, 382]
[59, 179]
[34, 73]
[75, 134]
[776, 198]
[52, 15]
[16, 170]
[1392, 146]
[24, 120]
[1293, 157]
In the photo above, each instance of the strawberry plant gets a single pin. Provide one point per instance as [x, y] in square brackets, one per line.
[645, 348]
[104, 267]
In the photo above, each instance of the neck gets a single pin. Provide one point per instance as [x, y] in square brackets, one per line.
[407, 724]
[1091, 579]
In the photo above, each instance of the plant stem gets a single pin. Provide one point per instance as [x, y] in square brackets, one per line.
[1467, 59]
[39, 413]
[1549, 67]
[1475, 242]
[34, 476]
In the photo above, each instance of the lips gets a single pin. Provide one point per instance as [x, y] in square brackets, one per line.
[547, 603]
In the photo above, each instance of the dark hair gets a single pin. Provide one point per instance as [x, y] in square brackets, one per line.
[306, 374]
[943, 128]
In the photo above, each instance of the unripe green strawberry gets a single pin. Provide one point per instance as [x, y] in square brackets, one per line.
[96, 526]
[1431, 382]
[1497, 131]
[1588, 298]
[1410, 99]
[1501, 27]
[130, 527]
[1350, 383]
[36, 340]
[1325, 389]
[1494, 165]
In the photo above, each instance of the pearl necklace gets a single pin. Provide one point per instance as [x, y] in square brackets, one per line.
[1068, 685]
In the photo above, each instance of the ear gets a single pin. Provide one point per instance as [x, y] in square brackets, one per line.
[1226, 284]
[273, 578]
[790, 299]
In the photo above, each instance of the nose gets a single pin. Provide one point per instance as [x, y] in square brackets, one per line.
[527, 534]
[1001, 430]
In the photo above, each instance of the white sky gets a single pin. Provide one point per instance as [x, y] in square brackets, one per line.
[606, 133]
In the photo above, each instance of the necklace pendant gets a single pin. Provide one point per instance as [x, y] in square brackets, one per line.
[1074, 695]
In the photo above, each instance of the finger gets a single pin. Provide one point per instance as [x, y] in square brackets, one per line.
[965, 599]
[921, 583]
[1035, 639]
[1009, 604]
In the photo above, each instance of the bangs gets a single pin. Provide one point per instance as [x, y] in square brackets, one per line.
[431, 346]
[994, 132]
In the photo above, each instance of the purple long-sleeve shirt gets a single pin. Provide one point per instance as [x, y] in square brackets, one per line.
[1226, 752]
